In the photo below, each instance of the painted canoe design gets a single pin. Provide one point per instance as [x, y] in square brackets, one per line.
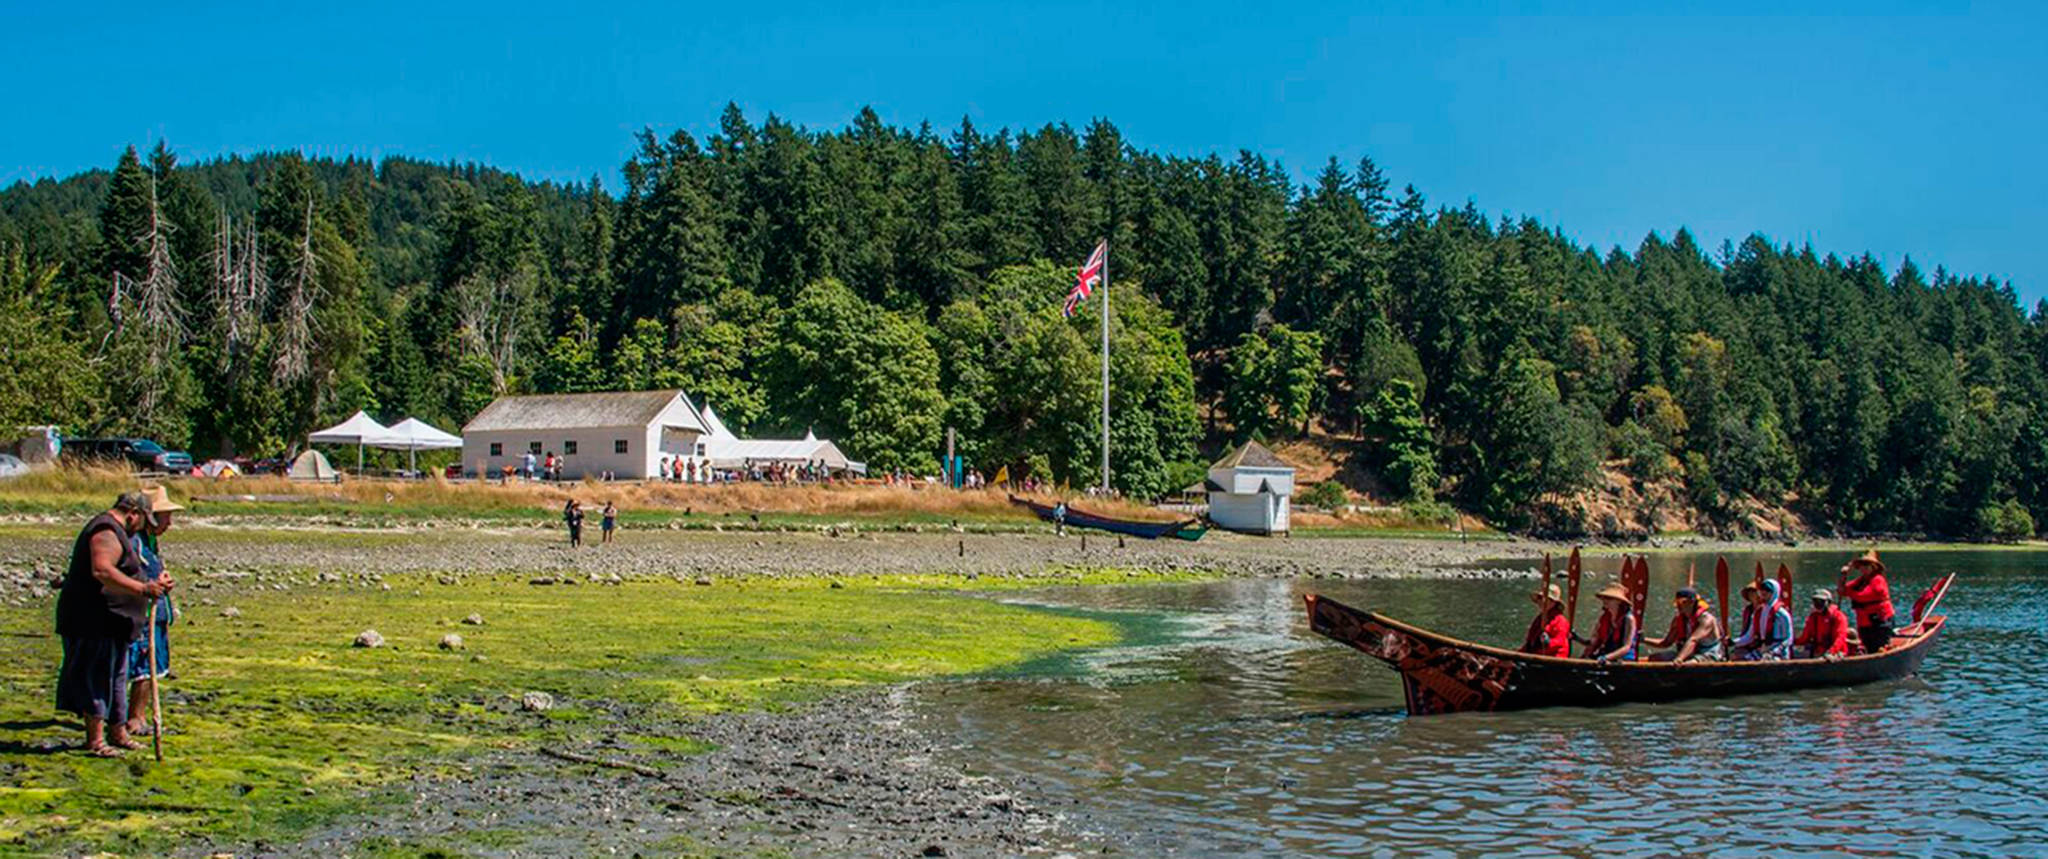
[1441, 674]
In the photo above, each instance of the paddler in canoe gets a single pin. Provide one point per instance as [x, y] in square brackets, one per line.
[1766, 627]
[1614, 636]
[1694, 636]
[1549, 633]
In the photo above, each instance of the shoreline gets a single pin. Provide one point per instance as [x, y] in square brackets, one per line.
[837, 771]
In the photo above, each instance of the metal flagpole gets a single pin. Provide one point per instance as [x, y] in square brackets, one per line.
[1105, 366]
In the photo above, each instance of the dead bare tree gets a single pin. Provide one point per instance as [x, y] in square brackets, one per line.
[293, 360]
[240, 285]
[147, 315]
[491, 308]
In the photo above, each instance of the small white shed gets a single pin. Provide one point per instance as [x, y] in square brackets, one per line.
[628, 433]
[1250, 490]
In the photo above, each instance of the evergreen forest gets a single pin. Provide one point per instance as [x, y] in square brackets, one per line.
[879, 284]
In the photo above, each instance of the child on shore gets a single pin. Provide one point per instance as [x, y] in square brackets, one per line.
[611, 519]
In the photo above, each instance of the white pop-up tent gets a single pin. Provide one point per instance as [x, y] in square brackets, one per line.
[360, 429]
[413, 435]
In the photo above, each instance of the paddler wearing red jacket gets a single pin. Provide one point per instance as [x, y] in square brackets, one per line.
[1549, 633]
[1871, 598]
[1825, 634]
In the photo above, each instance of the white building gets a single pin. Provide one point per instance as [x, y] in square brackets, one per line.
[1250, 490]
[723, 449]
[628, 433]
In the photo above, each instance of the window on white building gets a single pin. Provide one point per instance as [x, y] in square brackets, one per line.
[619, 446]
[569, 448]
[497, 448]
[533, 447]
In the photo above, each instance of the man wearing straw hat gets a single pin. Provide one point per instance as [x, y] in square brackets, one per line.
[1549, 633]
[99, 607]
[149, 656]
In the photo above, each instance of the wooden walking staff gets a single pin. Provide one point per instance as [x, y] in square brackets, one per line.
[156, 700]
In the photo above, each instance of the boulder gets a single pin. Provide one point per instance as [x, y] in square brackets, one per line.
[451, 641]
[536, 702]
[369, 638]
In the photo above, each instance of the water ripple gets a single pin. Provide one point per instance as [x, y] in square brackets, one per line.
[1233, 732]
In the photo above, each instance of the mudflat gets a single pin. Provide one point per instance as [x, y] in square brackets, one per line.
[672, 692]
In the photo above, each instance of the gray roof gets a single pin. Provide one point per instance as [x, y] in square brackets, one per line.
[573, 411]
[1251, 455]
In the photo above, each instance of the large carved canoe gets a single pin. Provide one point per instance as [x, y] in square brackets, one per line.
[1185, 529]
[1441, 674]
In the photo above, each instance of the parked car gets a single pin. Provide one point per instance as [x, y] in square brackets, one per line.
[139, 453]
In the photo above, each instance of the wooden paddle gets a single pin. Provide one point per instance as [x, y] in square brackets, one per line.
[156, 700]
[1721, 589]
[1785, 586]
[1571, 593]
[1635, 577]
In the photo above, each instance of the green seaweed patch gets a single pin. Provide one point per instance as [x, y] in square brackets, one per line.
[277, 724]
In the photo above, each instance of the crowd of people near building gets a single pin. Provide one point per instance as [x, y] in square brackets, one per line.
[1695, 633]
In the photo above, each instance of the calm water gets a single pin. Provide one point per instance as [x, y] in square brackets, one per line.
[1226, 728]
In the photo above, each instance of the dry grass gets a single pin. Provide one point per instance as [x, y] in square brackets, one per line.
[86, 488]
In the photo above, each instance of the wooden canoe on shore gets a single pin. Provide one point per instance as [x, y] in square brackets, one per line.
[1185, 529]
[1441, 674]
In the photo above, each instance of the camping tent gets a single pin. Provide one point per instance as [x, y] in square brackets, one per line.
[219, 468]
[313, 465]
[413, 435]
[358, 430]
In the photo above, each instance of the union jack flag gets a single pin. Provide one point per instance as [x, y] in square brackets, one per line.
[1085, 280]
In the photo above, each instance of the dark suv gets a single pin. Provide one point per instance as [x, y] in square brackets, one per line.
[140, 453]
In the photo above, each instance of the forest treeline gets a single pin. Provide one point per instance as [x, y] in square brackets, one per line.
[879, 283]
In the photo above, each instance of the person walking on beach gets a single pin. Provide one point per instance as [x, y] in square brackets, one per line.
[143, 671]
[99, 608]
[611, 520]
[572, 516]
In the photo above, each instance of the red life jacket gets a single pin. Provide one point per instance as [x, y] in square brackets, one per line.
[1542, 638]
[1871, 596]
[1826, 631]
[1681, 629]
[1609, 635]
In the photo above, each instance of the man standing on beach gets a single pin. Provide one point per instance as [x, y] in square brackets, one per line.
[99, 609]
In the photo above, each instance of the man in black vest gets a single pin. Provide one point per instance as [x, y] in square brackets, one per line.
[99, 611]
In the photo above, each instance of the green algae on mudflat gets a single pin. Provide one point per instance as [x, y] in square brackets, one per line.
[277, 724]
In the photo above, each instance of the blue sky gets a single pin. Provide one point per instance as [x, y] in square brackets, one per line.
[1901, 129]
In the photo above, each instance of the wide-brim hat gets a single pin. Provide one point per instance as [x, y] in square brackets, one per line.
[1824, 595]
[1868, 560]
[1613, 592]
[160, 500]
[1549, 592]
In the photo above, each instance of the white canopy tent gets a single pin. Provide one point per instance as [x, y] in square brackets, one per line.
[359, 430]
[413, 435]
